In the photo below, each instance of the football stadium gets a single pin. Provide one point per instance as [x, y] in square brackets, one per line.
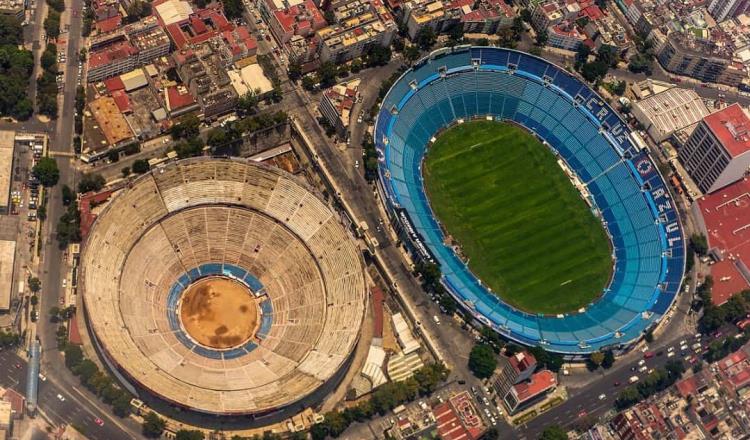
[607, 165]
[223, 286]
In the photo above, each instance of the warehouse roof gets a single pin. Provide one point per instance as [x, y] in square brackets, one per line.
[7, 260]
[671, 110]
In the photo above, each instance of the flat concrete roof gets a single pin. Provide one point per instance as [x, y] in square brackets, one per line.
[7, 143]
[7, 261]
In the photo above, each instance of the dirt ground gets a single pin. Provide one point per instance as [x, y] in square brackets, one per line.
[218, 312]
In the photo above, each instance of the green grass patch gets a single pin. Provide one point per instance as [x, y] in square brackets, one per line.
[527, 233]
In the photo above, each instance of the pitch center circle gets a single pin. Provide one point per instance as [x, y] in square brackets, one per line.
[218, 312]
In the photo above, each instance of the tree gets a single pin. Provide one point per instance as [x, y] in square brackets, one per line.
[73, 356]
[46, 171]
[186, 127]
[294, 71]
[11, 31]
[125, 171]
[184, 434]
[248, 103]
[34, 300]
[426, 38]
[526, 15]
[597, 358]
[140, 166]
[541, 38]
[553, 432]
[594, 71]
[609, 359]
[189, 148]
[153, 425]
[482, 361]
[68, 195]
[411, 53]
[91, 182]
[699, 244]
[640, 63]
[327, 74]
[233, 9]
[491, 434]
[34, 284]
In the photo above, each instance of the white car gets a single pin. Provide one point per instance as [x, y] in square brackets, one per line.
[670, 354]
[602, 396]
[643, 369]
[60, 396]
[65, 283]
[641, 362]
[670, 349]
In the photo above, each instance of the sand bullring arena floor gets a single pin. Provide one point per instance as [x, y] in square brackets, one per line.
[223, 286]
[218, 312]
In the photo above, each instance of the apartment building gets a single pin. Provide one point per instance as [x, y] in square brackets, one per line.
[359, 25]
[336, 105]
[680, 54]
[717, 153]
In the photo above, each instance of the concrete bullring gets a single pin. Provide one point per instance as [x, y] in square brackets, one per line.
[223, 286]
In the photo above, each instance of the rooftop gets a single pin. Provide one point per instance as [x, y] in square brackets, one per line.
[7, 261]
[522, 361]
[726, 215]
[731, 126]
[539, 383]
[7, 145]
[110, 120]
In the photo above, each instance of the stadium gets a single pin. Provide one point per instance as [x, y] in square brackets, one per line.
[451, 87]
[222, 286]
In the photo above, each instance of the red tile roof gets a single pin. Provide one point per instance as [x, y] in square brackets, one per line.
[109, 25]
[179, 97]
[522, 361]
[87, 217]
[539, 383]
[732, 127]
[377, 311]
[74, 335]
[114, 83]
[726, 215]
[122, 101]
[457, 419]
[113, 52]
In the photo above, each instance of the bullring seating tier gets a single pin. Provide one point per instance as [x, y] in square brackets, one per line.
[506, 85]
[151, 238]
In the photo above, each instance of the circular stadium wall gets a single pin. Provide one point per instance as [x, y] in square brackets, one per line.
[223, 286]
[452, 86]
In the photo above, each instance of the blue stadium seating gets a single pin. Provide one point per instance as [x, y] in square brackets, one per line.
[510, 85]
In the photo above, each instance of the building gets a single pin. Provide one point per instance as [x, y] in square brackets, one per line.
[671, 110]
[512, 370]
[111, 122]
[679, 53]
[302, 19]
[546, 15]
[359, 25]
[204, 72]
[565, 36]
[458, 418]
[250, 79]
[717, 153]
[7, 147]
[724, 216]
[210, 25]
[488, 17]
[6, 420]
[149, 38]
[13, 8]
[524, 394]
[724, 9]
[404, 334]
[7, 265]
[179, 101]
[336, 105]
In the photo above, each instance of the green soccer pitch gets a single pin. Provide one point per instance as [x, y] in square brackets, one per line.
[528, 234]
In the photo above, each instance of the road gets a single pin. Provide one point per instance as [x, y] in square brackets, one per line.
[81, 407]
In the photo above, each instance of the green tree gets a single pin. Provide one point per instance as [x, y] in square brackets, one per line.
[140, 166]
[425, 38]
[482, 361]
[34, 284]
[327, 74]
[91, 182]
[184, 434]
[541, 38]
[11, 32]
[597, 358]
[186, 127]
[609, 359]
[68, 195]
[411, 53]
[73, 356]
[125, 171]
[153, 425]
[233, 9]
[46, 171]
[553, 432]
[699, 244]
